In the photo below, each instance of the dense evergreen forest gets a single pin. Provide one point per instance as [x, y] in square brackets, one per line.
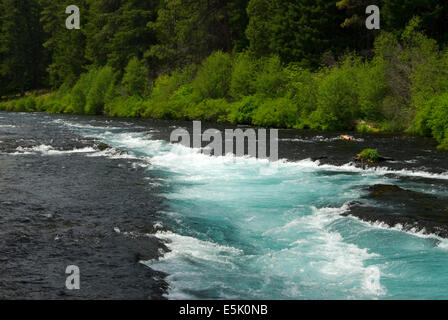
[283, 63]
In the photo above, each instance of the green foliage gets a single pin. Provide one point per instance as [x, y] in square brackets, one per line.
[432, 119]
[175, 107]
[244, 74]
[396, 15]
[439, 120]
[135, 78]
[271, 78]
[265, 76]
[210, 110]
[296, 30]
[66, 48]
[22, 57]
[25, 104]
[116, 31]
[171, 95]
[302, 90]
[277, 112]
[214, 76]
[366, 127]
[96, 98]
[337, 103]
[368, 155]
[258, 31]
[59, 100]
[126, 107]
[372, 89]
[414, 72]
[80, 92]
[165, 86]
[243, 111]
[280, 63]
[189, 31]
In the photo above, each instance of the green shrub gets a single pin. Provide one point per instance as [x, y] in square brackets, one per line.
[337, 103]
[271, 80]
[422, 117]
[244, 74]
[160, 103]
[372, 89]
[78, 100]
[19, 105]
[41, 102]
[80, 92]
[95, 100]
[438, 119]
[24, 104]
[166, 85]
[368, 155]
[59, 100]
[210, 110]
[365, 127]
[214, 76]
[278, 112]
[405, 83]
[125, 107]
[174, 107]
[135, 78]
[302, 90]
[4, 106]
[243, 111]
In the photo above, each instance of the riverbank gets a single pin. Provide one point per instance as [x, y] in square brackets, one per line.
[353, 94]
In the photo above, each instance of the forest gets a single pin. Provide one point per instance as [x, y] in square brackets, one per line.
[304, 64]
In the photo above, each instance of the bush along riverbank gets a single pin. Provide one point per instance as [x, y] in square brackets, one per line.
[402, 88]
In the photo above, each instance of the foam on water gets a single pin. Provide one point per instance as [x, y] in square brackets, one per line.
[49, 150]
[244, 228]
[83, 126]
[246, 197]
[350, 167]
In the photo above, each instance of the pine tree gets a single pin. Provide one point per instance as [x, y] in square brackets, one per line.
[189, 31]
[355, 18]
[296, 30]
[22, 57]
[66, 47]
[433, 13]
[117, 31]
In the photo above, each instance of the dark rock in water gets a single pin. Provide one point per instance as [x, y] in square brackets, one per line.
[383, 158]
[411, 209]
[102, 146]
[319, 158]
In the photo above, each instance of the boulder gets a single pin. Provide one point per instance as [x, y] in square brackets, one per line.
[102, 146]
[393, 205]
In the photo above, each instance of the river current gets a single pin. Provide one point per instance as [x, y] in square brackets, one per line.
[219, 227]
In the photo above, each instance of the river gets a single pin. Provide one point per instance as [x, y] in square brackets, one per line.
[148, 219]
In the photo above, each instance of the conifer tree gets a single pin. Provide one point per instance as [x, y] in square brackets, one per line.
[22, 57]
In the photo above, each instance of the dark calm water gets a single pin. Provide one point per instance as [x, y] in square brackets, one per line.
[149, 219]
